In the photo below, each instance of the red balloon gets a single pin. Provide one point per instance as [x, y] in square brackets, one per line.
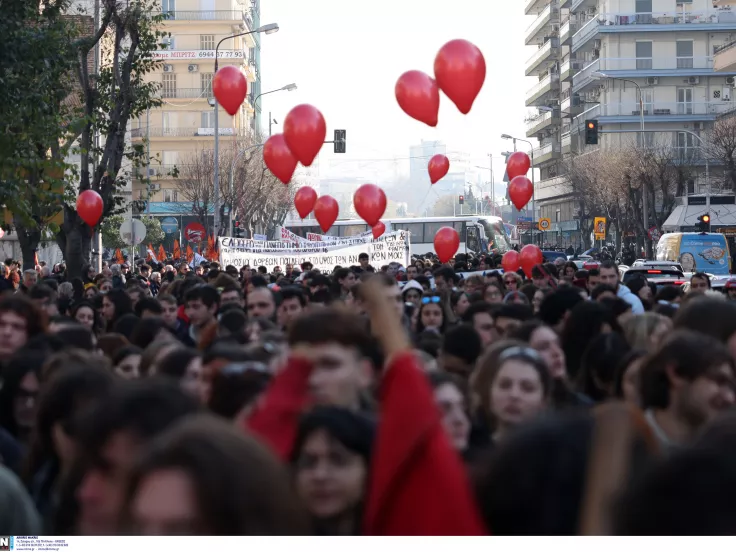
[517, 165]
[230, 87]
[510, 261]
[89, 207]
[460, 70]
[521, 191]
[305, 130]
[378, 230]
[278, 158]
[304, 200]
[370, 203]
[325, 211]
[446, 243]
[438, 167]
[419, 96]
[529, 256]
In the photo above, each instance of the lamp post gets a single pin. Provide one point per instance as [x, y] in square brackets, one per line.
[596, 75]
[534, 191]
[232, 179]
[287, 88]
[267, 29]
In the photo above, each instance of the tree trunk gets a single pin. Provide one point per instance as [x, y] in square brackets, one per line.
[75, 241]
[28, 240]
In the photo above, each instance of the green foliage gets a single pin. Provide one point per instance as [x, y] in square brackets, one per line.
[110, 229]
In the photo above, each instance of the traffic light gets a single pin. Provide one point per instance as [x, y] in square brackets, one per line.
[591, 132]
[704, 223]
[461, 200]
[238, 232]
[340, 141]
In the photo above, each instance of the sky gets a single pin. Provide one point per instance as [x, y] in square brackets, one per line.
[345, 57]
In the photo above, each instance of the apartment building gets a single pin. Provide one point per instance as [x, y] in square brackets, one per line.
[591, 52]
[185, 123]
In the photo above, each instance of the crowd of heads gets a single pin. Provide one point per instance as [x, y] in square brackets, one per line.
[134, 398]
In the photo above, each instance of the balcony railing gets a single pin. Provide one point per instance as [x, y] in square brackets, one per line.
[546, 82]
[585, 75]
[189, 93]
[570, 66]
[546, 152]
[178, 132]
[541, 54]
[545, 13]
[566, 141]
[592, 113]
[586, 32]
[568, 29]
[203, 15]
[664, 109]
[549, 15]
[657, 63]
[542, 119]
[673, 17]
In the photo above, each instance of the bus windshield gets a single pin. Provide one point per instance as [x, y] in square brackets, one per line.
[496, 234]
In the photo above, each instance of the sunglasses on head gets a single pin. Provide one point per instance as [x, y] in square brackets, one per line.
[433, 299]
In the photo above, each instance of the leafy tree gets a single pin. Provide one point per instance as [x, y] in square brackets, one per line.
[36, 118]
[110, 230]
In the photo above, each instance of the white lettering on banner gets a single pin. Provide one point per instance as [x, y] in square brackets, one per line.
[392, 247]
[325, 238]
[198, 54]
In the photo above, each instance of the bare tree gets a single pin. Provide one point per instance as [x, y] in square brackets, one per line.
[582, 178]
[260, 202]
[721, 147]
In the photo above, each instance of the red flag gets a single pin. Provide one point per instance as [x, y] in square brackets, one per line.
[161, 254]
[177, 250]
[149, 250]
[419, 485]
[119, 256]
[190, 254]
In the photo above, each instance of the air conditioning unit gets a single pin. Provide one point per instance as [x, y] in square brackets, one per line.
[168, 68]
[591, 11]
[193, 68]
[155, 187]
[693, 80]
[652, 80]
[730, 80]
[151, 172]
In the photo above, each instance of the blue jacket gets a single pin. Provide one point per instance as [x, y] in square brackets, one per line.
[627, 295]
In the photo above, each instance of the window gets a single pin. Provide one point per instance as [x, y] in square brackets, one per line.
[353, 230]
[644, 12]
[643, 55]
[168, 122]
[205, 81]
[686, 145]
[168, 42]
[169, 159]
[416, 229]
[208, 119]
[168, 6]
[684, 54]
[171, 196]
[684, 101]
[431, 228]
[168, 85]
[648, 139]
[206, 42]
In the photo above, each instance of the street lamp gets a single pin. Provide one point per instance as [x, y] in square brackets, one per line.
[534, 191]
[288, 88]
[266, 29]
[597, 75]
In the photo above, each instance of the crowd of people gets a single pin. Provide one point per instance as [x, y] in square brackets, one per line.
[429, 399]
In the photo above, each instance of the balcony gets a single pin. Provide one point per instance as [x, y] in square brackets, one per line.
[546, 153]
[542, 25]
[725, 58]
[583, 39]
[543, 58]
[541, 122]
[682, 20]
[537, 94]
[630, 112]
[186, 93]
[532, 7]
[566, 143]
[578, 5]
[567, 31]
[656, 67]
[203, 15]
[178, 132]
[584, 78]
[592, 113]
[552, 187]
[570, 67]
[571, 105]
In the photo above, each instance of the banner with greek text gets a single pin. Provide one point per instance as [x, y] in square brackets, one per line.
[325, 256]
[324, 238]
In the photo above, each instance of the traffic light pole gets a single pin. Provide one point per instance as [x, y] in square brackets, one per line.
[691, 133]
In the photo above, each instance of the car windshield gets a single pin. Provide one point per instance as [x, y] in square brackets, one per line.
[496, 234]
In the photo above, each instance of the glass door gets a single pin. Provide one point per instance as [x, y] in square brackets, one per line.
[684, 101]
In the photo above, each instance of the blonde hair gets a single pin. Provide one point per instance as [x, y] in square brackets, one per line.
[639, 329]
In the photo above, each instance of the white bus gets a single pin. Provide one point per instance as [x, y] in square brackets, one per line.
[477, 233]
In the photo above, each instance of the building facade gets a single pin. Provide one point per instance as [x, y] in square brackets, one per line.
[185, 123]
[591, 52]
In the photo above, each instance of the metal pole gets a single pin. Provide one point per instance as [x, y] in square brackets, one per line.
[148, 162]
[493, 186]
[269, 123]
[645, 198]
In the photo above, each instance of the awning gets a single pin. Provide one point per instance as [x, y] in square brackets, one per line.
[687, 216]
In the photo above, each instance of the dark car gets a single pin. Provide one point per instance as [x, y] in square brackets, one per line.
[550, 256]
[664, 276]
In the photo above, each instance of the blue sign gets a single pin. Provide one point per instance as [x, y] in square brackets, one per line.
[169, 225]
[704, 253]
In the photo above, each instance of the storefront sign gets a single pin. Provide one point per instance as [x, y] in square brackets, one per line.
[198, 54]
